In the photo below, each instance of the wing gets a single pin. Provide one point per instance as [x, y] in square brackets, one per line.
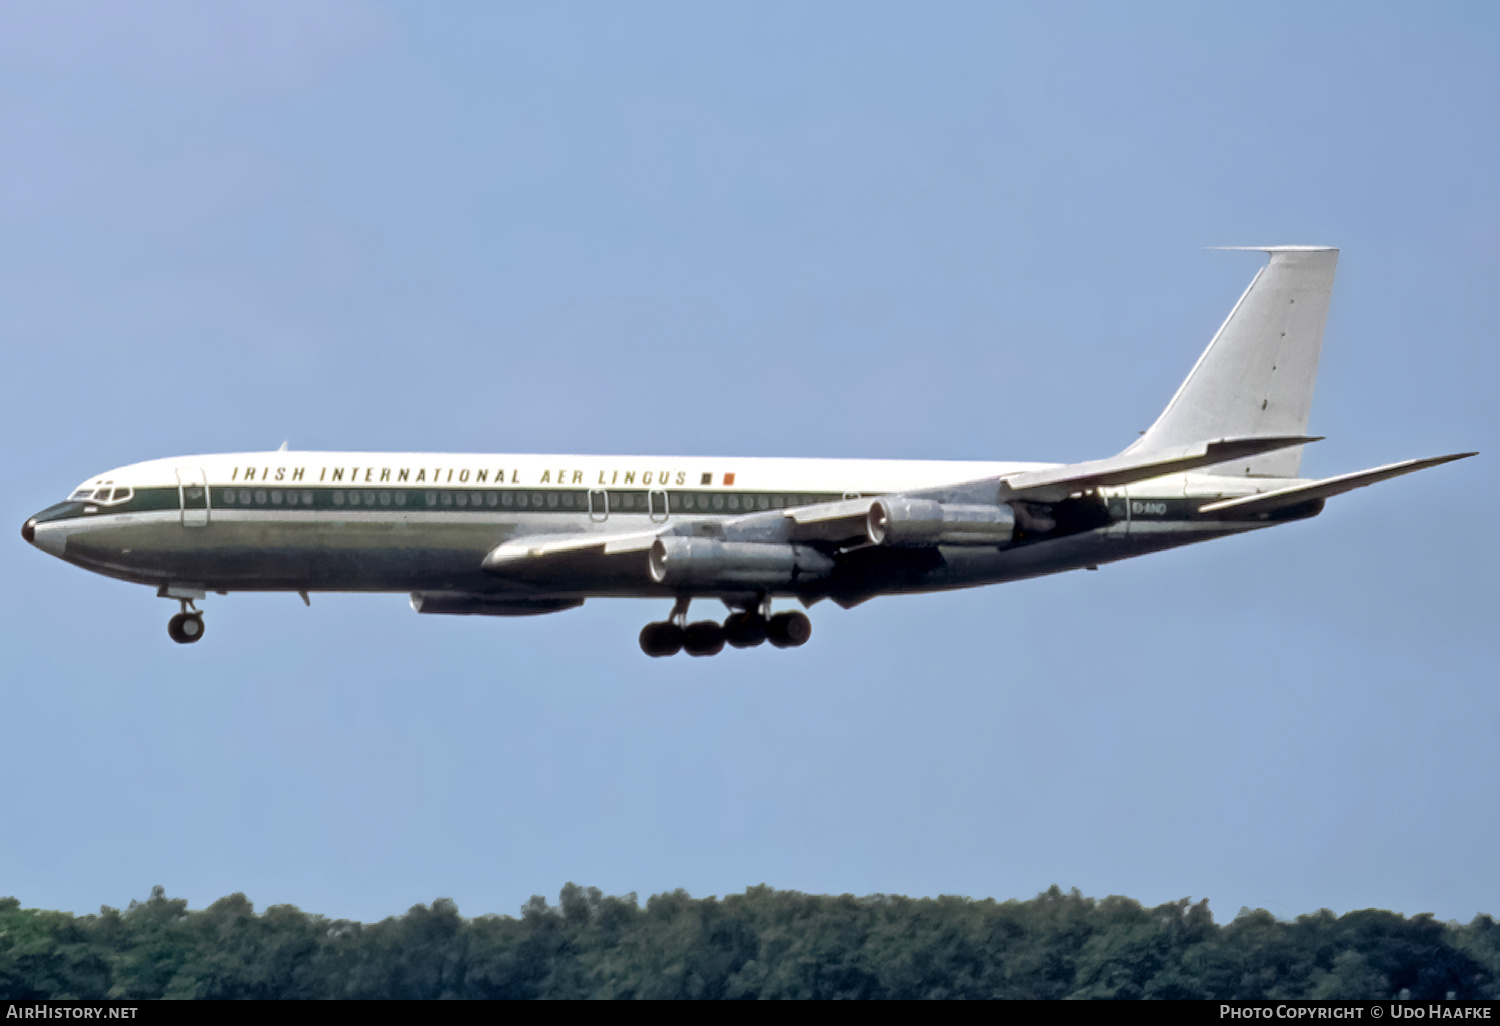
[838, 525]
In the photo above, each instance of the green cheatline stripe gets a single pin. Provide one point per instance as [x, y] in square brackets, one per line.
[225, 498]
[446, 500]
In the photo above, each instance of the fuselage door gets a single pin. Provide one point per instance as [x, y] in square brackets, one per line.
[192, 496]
[656, 504]
[598, 505]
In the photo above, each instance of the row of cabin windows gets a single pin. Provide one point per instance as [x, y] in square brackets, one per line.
[619, 502]
[259, 497]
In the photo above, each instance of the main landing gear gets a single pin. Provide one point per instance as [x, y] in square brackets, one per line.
[187, 626]
[744, 629]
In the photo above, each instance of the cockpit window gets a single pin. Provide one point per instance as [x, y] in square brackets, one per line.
[105, 496]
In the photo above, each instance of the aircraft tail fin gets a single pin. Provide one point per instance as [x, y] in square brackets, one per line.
[1256, 376]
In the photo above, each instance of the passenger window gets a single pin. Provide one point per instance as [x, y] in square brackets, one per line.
[432, 498]
[718, 502]
[567, 500]
[536, 499]
[244, 496]
[369, 498]
[763, 501]
[338, 497]
[491, 499]
[507, 498]
[461, 499]
[291, 498]
[307, 498]
[734, 502]
[354, 498]
[401, 498]
[228, 497]
[275, 497]
[385, 498]
[447, 498]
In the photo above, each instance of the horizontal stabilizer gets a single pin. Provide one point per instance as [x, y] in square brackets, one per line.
[1266, 502]
[1057, 483]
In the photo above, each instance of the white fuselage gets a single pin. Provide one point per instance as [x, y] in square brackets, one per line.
[424, 522]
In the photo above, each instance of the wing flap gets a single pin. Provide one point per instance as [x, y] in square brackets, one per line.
[520, 552]
[849, 509]
[1057, 483]
[829, 521]
[1266, 502]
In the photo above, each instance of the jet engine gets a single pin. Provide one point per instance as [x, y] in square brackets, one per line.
[913, 523]
[706, 563]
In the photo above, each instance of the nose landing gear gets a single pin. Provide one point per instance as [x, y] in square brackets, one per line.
[744, 629]
[187, 626]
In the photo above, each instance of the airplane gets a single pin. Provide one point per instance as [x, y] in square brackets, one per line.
[521, 535]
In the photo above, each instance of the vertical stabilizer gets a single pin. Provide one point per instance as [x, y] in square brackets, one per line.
[1256, 376]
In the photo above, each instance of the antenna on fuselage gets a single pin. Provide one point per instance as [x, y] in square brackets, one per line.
[283, 447]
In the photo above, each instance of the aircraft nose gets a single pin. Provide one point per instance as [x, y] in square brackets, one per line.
[28, 530]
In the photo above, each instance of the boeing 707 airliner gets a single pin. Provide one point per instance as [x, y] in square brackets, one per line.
[509, 535]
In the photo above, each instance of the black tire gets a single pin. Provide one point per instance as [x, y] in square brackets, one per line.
[744, 630]
[660, 639]
[185, 628]
[789, 630]
[704, 638]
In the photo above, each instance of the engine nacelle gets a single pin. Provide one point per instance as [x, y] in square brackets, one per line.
[709, 564]
[913, 523]
[458, 603]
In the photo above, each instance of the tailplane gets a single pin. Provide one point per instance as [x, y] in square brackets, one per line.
[1256, 376]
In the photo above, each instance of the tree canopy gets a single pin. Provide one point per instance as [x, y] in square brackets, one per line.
[763, 943]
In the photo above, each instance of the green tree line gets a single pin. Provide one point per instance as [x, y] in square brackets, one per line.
[761, 944]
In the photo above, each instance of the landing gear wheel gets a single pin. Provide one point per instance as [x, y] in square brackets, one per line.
[704, 638]
[661, 639]
[185, 628]
[745, 630]
[789, 630]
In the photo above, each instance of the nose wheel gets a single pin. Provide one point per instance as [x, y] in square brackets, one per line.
[187, 626]
[744, 629]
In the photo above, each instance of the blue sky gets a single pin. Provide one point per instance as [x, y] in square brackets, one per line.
[847, 230]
